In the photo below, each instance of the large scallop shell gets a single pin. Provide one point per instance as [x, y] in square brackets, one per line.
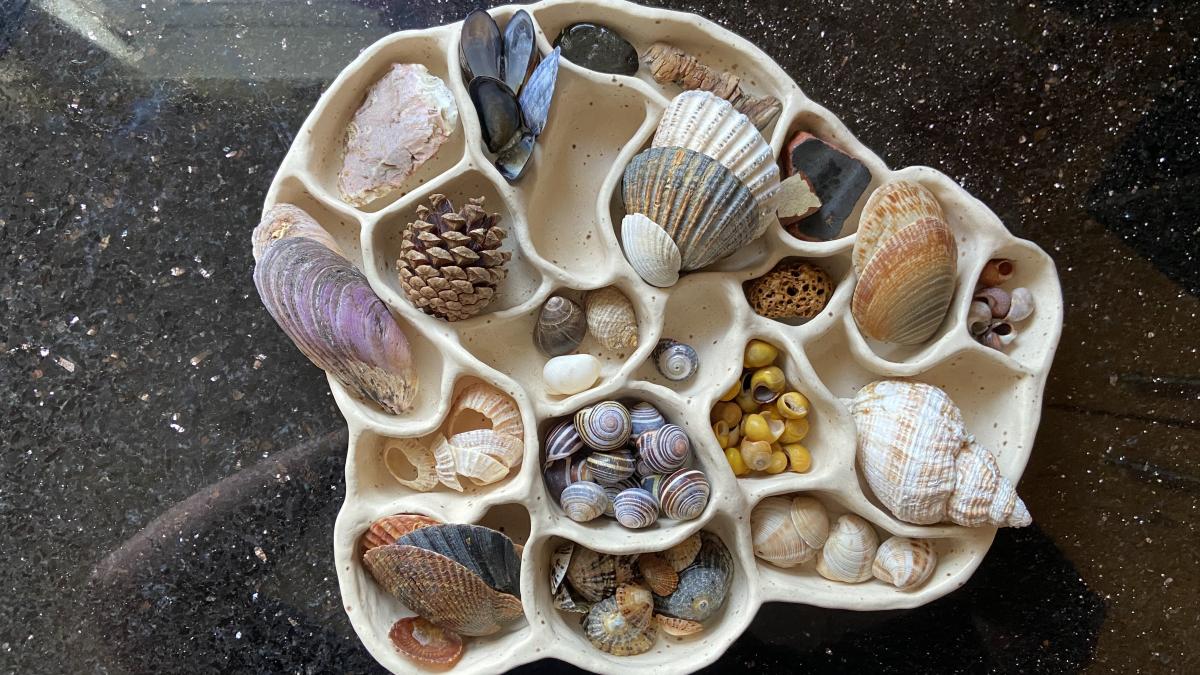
[698, 120]
[849, 551]
[499, 409]
[922, 465]
[904, 563]
[611, 318]
[388, 529]
[890, 207]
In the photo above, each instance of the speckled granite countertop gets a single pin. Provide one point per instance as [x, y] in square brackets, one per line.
[172, 464]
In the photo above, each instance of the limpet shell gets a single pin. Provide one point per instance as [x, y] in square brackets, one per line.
[703, 585]
[610, 629]
[591, 574]
[611, 318]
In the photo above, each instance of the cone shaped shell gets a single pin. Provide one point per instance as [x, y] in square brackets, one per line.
[650, 250]
[890, 207]
[609, 628]
[905, 290]
[904, 563]
[704, 208]
[849, 552]
[698, 120]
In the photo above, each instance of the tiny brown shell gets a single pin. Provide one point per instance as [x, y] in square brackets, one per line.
[658, 573]
[426, 643]
[791, 290]
[388, 529]
[677, 627]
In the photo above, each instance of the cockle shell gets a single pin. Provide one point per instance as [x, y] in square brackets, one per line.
[415, 454]
[611, 467]
[683, 494]
[604, 426]
[329, 310]
[904, 563]
[644, 417]
[922, 465]
[560, 327]
[665, 449]
[621, 625]
[570, 374]
[388, 529]
[650, 250]
[562, 441]
[788, 531]
[675, 360]
[658, 573]
[677, 627]
[611, 318]
[849, 551]
[486, 552]
[635, 508]
[591, 574]
[499, 409]
[703, 585]
[698, 120]
[428, 644]
[890, 207]
[583, 501]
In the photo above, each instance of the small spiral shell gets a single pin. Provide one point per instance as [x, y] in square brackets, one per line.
[604, 426]
[675, 360]
[635, 508]
[683, 494]
[583, 501]
[608, 468]
[645, 417]
[562, 441]
[666, 449]
[560, 326]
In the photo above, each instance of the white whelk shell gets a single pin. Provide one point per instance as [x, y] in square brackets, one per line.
[650, 250]
[571, 374]
[849, 551]
[905, 563]
[611, 318]
[418, 456]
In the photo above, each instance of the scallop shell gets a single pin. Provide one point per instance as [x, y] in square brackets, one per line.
[776, 525]
[426, 643]
[683, 494]
[645, 417]
[583, 501]
[562, 441]
[650, 250]
[675, 360]
[922, 465]
[889, 208]
[700, 204]
[698, 120]
[609, 629]
[560, 326]
[498, 408]
[611, 467]
[682, 554]
[611, 318]
[635, 508]
[604, 426]
[592, 575]
[417, 455]
[904, 563]
[486, 552]
[659, 575]
[665, 449]
[703, 585]
[388, 529]
[849, 552]
[570, 374]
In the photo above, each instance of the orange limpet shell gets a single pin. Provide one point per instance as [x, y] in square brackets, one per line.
[427, 643]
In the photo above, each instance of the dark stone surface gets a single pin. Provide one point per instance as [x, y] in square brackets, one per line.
[837, 178]
[140, 371]
[599, 48]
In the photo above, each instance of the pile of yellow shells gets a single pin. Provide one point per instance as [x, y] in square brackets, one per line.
[760, 422]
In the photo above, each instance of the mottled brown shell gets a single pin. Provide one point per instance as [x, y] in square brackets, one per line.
[658, 573]
[682, 554]
[791, 290]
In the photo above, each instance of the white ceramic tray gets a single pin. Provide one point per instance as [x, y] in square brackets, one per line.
[562, 218]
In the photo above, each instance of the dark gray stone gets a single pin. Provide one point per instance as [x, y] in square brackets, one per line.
[598, 48]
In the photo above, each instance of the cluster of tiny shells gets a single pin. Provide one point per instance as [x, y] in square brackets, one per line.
[564, 219]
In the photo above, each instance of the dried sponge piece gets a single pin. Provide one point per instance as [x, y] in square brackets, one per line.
[790, 290]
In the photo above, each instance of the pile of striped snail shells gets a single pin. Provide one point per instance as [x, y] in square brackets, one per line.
[625, 463]
[995, 311]
[625, 600]
[790, 531]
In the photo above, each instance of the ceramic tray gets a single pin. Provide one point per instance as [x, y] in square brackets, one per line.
[562, 218]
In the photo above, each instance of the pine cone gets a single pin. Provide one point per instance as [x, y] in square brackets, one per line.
[450, 262]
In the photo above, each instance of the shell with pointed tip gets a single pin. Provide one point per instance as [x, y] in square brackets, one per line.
[388, 529]
[591, 574]
[635, 508]
[703, 585]
[700, 121]
[786, 531]
[849, 551]
[683, 494]
[604, 426]
[890, 207]
[583, 501]
[904, 563]
[494, 405]
[609, 628]
[922, 465]
[665, 449]
[560, 326]
[650, 250]
[404, 452]
[330, 312]
[611, 318]
[427, 644]
[645, 417]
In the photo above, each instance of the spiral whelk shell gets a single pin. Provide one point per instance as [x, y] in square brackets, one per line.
[583, 501]
[849, 551]
[635, 508]
[665, 449]
[611, 318]
[676, 360]
[683, 494]
[604, 426]
[904, 563]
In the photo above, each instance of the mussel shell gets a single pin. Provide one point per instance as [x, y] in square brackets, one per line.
[675, 360]
[703, 585]
[562, 442]
[536, 97]
[480, 47]
[684, 494]
[499, 112]
[520, 49]
[635, 508]
[591, 574]
[645, 417]
[489, 554]
[583, 501]
[514, 158]
[604, 426]
[611, 467]
[561, 326]
[664, 450]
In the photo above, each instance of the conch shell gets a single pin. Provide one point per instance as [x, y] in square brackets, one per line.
[922, 464]
[329, 310]
[611, 318]
[786, 531]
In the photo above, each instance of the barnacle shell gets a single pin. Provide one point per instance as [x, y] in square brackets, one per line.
[698, 120]
[560, 326]
[417, 455]
[675, 360]
[905, 563]
[621, 625]
[583, 501]
[849, 551]
[330, 311]
[570, 374]
[791, 290]
[645, 417]
[592, 575]
[658, 573]
[683, 494]
[922, 465]
[650, 250]
[682, 554]
[665, 449]
[611, 467]
[426, 643]
[388, 529]
[703, 585]
[562, 441]
[495, 406]
[787, 531]
[604, 426]
[611, 318]
[635, 508]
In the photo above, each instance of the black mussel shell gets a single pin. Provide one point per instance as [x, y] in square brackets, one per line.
[480, 48]
[499, 112]
[513, 159]
[520, 50]
[598, 48]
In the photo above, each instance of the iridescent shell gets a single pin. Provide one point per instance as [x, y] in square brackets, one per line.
[611, 318]
[592, 575]
[611, 467]
[703, 585]
[675, 360]
[560, 326]
[659, 575]
[428, 644]
[682, 555]
[776, 523]
[635, 508]
[904, 563]
[665, 449]
[499, 409]
[849, 551]
[583, 501]
[562, 441]
[683, 494]
[604, 426]
[388, 529]
[356, 339]
[618, 628]
[919, 461]
[645, 417]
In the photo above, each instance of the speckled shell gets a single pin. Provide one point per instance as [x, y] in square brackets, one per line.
[650, 250]
[388, 529]
[611, 318]
[635, 508]
[562, 441]
[890, 207]
[703, 585]
[644, 417]
[683, 494]
[776, 526]
[592, 575]
[499, 408]
[611, 467]
[604, 426]
[700, 204]
[621, 630]
[560, 326]
[700, 121]
[849, 551]
[919, 461]
[675, 360]
[583, 501]
[665, 449]
[904, 563]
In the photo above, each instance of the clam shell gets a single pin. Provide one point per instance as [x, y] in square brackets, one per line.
[682, 554]
[388, 529]
[536, 97]
[562, 441]
[904, 563]
[675, 360]
[426, 643]
[416, 455]
[604, 426]
[583, 501]
[635, 508]
[560, 327]
[498, 408]
[775, 536]
[889, 208]
[700, 204]
[810, 520]
[645, 417]
[635, 604]
[520, 49]
[650, 250]
[677, 627]
[592, 575]
[703, 585]
[447, 463]
[658, 573]
[905, 290]
[608, 468]
[608, 629]
[288, 220]
[611, 318]
[665, 449]
[489, 554]
[849, 552]
[683, 494]
[698, 120]
[570, 374]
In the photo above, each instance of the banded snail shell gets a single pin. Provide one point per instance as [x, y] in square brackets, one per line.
[645, 417]
[604, 426]
[583, 501]
[635, 508]
[665, 449]
[611, 467]
[684, 494]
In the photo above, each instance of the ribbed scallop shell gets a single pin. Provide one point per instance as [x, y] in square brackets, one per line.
[583, 501]
[416, 455]
[905, 289]
[702, 206]
[388, 529]
[635, 508]
[703, 585]
[658, 574]
[890, 207]
[665, 449]
[677, 627]
[650, 250]
[921, 464]
[562, 441]
[621, 624]
[904, 563]
[499, 409]
[776, 536]
[604, 426]
[849, 551]
[611, 318]
[683, 494]
[645, 417]
[486, 552]
[611, 467]
[698, 120]
[591, 574]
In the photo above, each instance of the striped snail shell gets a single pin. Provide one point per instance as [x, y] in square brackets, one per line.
[610, 467]
[583, 501]
[645, 417]
[562, 441]
[651, 482]
[635, 508]
[683, 494]
[675, 360]
[604, 426]
[666, 449]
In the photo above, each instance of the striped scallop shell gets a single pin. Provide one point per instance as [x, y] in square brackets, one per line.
[683, 494]
[611, 467]
[591, 574]
[904, 563]
[664, 450]
[562, 441]
[498, 408]
[849, 551]
[583, 501]
[388, 529]
[604, 426]
[700, 204]
[698, 120]
[645, 417]
[890, 207]
[635, 508]
[659, 575]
